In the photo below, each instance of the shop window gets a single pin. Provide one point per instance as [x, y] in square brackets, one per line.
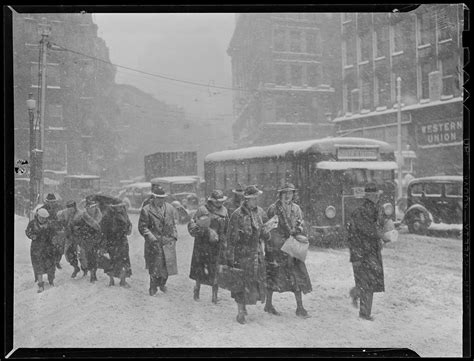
[295, 41]
[426, 28]
[279, 73]
[382, 40]
[365, 43]
[448, 68]
[279, 39]
[313, 42]
[296, 74]
[314, 75]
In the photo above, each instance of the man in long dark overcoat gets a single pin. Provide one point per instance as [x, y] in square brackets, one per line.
[157, 224]
[209, 240]
[53, 206]
[246, 235]
[365, 246]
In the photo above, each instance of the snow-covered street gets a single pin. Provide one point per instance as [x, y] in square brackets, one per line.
[421, 308]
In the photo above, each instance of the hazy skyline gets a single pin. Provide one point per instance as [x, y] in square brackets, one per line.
[185, 46]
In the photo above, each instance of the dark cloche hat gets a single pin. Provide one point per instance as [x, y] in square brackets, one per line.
[252, 192]
[287, 187]
[158, 191]
[217, 195]
[50, 197]
[239, 189]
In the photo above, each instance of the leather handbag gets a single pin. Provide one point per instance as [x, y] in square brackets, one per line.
[231, 278]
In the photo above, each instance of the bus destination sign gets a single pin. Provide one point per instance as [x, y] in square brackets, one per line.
[357, 153]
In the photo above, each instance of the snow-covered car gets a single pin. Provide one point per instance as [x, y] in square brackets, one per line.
[434, 203]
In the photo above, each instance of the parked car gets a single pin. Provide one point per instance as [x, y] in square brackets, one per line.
[434, 203]
[135, 194]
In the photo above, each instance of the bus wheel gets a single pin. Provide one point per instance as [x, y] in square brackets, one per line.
[418, 224]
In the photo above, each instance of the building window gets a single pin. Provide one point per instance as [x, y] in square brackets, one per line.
[55, 155]
[314, 75]
[382, 40]
[382, 85]
[366, 92]
[34, 73]
[398, 40]
[295, 41]
[313, 42]
[55, 115]
[365, 43]
[448, 68]
[426, 28]
[279, 70]
[296, 74]
[279, 39]
[350, 85]
[349, 50]
[426, 68]
[52, 75]
[446, 23]
[31, 29]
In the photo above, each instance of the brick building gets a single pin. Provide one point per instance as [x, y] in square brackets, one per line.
[287, 68]
[79, 112]
[424, 48]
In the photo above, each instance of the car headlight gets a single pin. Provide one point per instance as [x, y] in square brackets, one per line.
[388, 209]
[330, 212]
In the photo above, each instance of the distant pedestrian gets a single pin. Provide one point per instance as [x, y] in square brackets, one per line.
[286, 273]
[365, 245]
[41, 232]
[53, 206]
[116, 226]
[209, 242]
[236, 201]
[245, 236]
[157, 224]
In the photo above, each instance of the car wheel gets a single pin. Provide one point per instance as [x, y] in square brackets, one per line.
[418, 223]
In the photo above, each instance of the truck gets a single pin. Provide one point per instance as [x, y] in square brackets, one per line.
[170, 164]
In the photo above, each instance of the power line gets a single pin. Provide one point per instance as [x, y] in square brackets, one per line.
[146, 73]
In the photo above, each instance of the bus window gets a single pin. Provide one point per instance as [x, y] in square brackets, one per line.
[254, 171]
[453, 189]
[270, 175]
[220, 177]
[230, 176]
[241, 173]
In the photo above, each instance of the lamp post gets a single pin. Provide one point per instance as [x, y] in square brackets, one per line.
[399, 136]
[31, 105]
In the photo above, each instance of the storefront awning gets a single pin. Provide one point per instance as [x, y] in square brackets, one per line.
[357, 165]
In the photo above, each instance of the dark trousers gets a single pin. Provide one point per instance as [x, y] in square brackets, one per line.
[366, 298]
[156, 282]
[71, 254]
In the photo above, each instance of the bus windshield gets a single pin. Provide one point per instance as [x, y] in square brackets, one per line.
[351, 178]
[183, 188]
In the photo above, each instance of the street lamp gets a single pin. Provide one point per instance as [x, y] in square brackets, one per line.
[31, 105]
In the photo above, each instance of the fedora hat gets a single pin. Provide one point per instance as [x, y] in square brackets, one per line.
[287, 187]
[157, 191]
[217, 195]
[238, 190]
[252, 192]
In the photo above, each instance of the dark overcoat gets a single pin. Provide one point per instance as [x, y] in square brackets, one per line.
[116, 226]
[365, 246]
[285, 273]
[158, 226]
[41, 249]
[245, 250]
[206, 255]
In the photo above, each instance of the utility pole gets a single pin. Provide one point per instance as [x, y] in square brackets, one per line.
[399, 135]
[45, 29]
[31, 105]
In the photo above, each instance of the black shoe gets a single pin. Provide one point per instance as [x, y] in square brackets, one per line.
[76, 271]
[40, 287]
[241, 318]
[153, 291]
[368, 318]
[163, 289]
[111, 282]
[270, 309]
[93, 277]
[196, 294]
[301, 312]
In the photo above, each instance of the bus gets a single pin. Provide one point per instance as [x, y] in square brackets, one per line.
[330, 175]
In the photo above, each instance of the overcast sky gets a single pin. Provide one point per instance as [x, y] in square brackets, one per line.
[184, 46]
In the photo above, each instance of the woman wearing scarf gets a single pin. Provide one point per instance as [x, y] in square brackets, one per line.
[245, 237]
[285, 273]
[208, 227]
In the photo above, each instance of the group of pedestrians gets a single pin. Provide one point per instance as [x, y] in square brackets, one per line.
[89, 238]
[233, 234]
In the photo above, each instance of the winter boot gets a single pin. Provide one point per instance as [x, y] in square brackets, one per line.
[93, 276]
[268, 304]
[354, 294]
[197, 288]
[300, 311]
[51, 280]
[240, 315]
[214, 294]
[153, 287]
[40, 287]
[76, 271]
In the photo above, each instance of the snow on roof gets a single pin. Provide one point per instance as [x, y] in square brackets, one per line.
[176, 179]
[373, 165]
[83, 176]
[280, 150]
[440, 178]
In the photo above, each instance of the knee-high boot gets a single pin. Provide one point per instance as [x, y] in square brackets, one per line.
[268, 304]
[240, 315]
[300, 311]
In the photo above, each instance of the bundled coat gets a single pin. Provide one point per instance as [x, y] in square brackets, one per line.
[116, 226]
[245, 237]
[41, 249]
[365, 246]
[285, 273]
[208, 255]
[158, 227]
[59, 240]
